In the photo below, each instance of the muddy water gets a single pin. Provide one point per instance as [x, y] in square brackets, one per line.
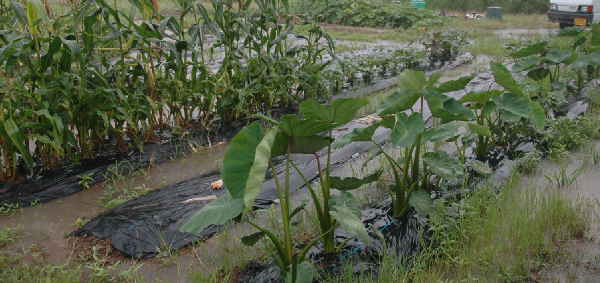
[45, 226]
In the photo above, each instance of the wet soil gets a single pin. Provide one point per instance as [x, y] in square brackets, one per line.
[582, 263]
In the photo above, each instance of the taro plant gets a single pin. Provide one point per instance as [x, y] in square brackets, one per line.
[420, 168]
[247, 161]
[496, 110]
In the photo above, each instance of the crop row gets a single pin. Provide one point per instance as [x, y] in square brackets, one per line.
[521, 109]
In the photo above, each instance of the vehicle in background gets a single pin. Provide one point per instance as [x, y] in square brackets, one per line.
[574, 12]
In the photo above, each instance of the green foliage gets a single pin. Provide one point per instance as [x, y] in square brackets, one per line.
[377, 13]
[247, 161]
[97, 79]
[509, 6]
[529, 163]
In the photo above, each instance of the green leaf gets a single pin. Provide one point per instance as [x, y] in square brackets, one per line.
[538, 115]
[252, 239]
[533, 49]
[346, 212]
[398, 102]
[455, 85]
[352, 183]
[411, 86]
[454, 111]
[358, 134]
[527, 63]
[441, 164]
[217, 212]
[293, 126]
[406, 130]
[480, 97]
[505, 79]
[557, 56]
[480, 130]
[246, 162]
[421, 201]
[538, 74]
[341, 111]
[515, 104]
[480, 167]
[442, 132]
[306, 273]
[595, 34]
[18, 140]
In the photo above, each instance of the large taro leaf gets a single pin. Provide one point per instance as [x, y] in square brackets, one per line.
[246, 162]
[443, 165]
[527, 63]
[346, 211]
[557, 56]
[442, 132]
[300, 145]
[537, 115]
[352, 183]
[294, 126]
[411, 86]
[480, 129]
[421, 201]
[480, 97]
[592, 59]
[455, 111]
[538, 74]
[515, 104]
[407, 129]
[537, 48]
[455, 85]
[357, 135]
[505, 79]
[341, 111]
[447, 108]
[217, 212]
[398, 102]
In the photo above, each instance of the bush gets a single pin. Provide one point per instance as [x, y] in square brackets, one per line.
[509, 6]
[368, 13]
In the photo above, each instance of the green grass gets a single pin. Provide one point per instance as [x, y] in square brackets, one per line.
[502, 237]
[516, 21]
[8, 236]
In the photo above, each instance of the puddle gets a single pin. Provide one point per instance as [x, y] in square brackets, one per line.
[46, 225]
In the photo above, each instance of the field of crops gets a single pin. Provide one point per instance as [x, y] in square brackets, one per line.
[86, 86]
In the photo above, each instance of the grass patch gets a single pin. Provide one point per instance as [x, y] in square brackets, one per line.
[504, 237]
[8, 236]
[515, 21]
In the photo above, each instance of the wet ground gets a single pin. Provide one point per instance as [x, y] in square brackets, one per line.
[583, 254]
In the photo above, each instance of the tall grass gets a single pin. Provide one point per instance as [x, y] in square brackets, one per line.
[497, 238]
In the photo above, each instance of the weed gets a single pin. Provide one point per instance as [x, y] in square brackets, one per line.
[528, 164]
[9, 208]
[86, 180]
[8, 236]
[564, 179]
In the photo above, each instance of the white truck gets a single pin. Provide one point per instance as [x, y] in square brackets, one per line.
[574, 12]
